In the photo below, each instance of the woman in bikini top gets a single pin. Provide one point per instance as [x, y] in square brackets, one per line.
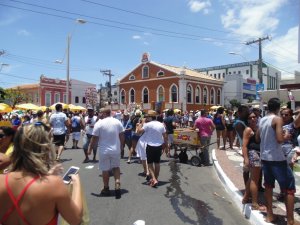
[32, 194]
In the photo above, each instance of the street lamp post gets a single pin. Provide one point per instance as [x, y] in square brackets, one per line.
[80, 21]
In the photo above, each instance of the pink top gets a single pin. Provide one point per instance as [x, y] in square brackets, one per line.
[204, 125]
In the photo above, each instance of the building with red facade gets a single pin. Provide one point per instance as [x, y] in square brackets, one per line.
[49, 91]
[158, 86]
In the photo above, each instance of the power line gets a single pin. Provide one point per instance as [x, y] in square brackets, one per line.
[183, 35]
[154, 17]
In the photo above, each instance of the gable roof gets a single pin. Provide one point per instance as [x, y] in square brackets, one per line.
[187, 72]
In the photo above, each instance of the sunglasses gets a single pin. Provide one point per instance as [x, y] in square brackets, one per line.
[2, 135]
[296, 113]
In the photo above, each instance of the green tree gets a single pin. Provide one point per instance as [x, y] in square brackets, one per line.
[250, 99]
[16, 96]
[234, 103]
[2, 94]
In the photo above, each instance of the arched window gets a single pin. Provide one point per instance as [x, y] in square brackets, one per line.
[132, 96]
[160, 94]
[189, 94]
[76, 99]
[197, 95]
[219, 97]
[83, 100]
[212, 96]
[123, 97]
[145, 72]
[174, 94]
[57, 97]
[205, 95]
[145, 95]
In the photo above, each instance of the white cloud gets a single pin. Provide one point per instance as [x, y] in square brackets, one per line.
[283, 52]
[136, 37]
[251, 18]
[199, 5]
[23, 32]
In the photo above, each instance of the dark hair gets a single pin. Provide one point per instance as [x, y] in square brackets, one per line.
[170, 112]
[8, 131]
[242, 108]
[273, 104]
[220, 110]
[58, 107]
[203, 112]
[40, 113]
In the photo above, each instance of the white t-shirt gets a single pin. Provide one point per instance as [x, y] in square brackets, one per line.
[108, 130]
[89, 124]
[57, 122]
[154, 131]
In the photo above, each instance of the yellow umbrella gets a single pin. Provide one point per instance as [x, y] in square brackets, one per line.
[215, 107]
[4, 108]
[43, 108]
[177, 111]
[27, 106]
[76, 108]
[65, 106]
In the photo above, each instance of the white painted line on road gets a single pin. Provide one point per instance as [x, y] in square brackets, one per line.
[89, 167]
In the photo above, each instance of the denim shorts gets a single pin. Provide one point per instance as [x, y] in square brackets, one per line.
[280, 171]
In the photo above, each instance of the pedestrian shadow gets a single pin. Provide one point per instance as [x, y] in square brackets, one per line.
[279, 219]
[64, 160]
[111, 194]
[160, 183]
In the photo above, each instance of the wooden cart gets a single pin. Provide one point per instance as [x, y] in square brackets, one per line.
[187, 139]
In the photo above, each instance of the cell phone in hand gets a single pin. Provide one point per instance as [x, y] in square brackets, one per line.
[67, 177]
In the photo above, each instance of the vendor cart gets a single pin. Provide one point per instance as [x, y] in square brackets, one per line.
[188, 140]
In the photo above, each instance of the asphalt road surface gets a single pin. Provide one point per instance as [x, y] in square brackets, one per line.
[185, 195]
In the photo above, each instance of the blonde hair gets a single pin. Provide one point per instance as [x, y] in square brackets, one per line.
[33, 151]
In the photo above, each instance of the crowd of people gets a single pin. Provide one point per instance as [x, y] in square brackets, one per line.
[32, 148]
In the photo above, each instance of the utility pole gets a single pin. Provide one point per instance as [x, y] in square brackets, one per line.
[259, 41]
[108, 73]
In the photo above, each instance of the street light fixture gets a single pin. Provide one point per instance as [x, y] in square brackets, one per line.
[3, 65]
[80, 21]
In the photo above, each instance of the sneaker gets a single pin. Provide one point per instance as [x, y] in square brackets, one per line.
[105, 191]
[128, 161]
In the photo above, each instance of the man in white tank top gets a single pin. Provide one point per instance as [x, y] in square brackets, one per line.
[274, 163]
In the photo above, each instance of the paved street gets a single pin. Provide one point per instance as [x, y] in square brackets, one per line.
[185, 195]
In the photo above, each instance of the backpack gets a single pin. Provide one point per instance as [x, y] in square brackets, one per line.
[74, 122]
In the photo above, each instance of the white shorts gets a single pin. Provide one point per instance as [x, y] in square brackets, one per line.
[109, 161]
[76, 136]
[170, 139]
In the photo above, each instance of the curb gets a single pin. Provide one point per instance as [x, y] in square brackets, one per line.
[254, 217]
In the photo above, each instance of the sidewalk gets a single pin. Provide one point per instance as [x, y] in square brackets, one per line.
[228, 165]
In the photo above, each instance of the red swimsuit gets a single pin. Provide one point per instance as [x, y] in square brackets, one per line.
[15, 202]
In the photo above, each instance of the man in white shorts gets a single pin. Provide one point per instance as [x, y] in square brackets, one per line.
[109, 133]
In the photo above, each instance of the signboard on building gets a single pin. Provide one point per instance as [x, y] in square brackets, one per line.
[259, 87]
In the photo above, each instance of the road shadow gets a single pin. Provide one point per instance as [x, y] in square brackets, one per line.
[112, 194]
[179, 201]
[64, 160]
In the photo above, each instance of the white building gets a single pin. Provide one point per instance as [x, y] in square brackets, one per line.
[78, 91]
[241, 80]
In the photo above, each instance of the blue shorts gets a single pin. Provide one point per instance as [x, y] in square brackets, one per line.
[280, 171]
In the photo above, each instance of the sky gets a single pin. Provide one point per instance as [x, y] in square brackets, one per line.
[190, 33]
